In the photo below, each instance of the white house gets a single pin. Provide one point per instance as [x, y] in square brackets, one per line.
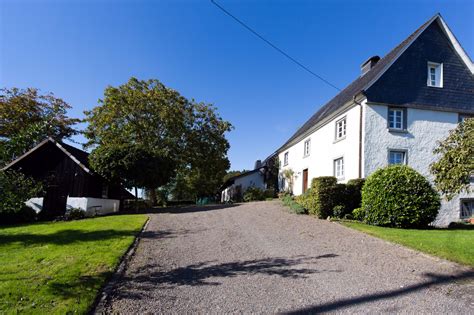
[234, 188]
[396, 111]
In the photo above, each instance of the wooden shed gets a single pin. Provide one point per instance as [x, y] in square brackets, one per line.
[67, 180]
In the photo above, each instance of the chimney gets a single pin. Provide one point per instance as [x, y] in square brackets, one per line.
[258, 164]
[369, 64]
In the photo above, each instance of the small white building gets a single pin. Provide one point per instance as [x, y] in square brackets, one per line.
[396, 111]
[234, 188]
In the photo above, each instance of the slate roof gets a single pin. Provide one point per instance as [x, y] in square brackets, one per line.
[357, 86]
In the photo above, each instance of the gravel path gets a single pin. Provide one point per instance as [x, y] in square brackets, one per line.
[258, 258]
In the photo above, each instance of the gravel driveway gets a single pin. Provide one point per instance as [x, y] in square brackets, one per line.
[258, 258]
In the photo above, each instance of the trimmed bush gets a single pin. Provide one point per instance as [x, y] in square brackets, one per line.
[328, 198]
[321, 196]
[398, 196]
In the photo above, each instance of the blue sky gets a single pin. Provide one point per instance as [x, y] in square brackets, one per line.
[77, 48]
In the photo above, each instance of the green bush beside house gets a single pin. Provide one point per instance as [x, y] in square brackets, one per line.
[398, 196]
[327, 198]
[395, 196]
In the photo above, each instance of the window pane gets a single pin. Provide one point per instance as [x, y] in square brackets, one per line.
[467, 209]
[396, 157]
[339, 168]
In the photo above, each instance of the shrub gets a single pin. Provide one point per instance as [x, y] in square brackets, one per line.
[339, 211]
[319, 199]
[306, 200]
[354, 193]
[269, 193]
[358, 214]
[254, 194]
[74, 214]
[15, 189]
[293, 205]
[398, 196]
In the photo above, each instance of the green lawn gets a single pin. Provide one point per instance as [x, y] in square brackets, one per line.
[452, 244]
[59, 267]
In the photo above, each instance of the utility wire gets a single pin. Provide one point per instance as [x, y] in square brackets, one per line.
[272, 45]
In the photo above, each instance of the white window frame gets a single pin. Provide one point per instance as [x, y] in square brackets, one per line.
[285, 158]
[341, 127]
[435, 75]
[392, 121]
[395, 151]
[307, 147]
[339, 168]
[466, 212]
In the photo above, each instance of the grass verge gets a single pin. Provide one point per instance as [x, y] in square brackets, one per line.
[59, 267]
[451, 244]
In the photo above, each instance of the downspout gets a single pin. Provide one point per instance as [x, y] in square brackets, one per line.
[360, 135]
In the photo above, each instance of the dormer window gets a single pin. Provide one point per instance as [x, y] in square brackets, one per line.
[435, 74]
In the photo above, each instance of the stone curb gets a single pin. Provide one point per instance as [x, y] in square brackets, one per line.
[99, 306]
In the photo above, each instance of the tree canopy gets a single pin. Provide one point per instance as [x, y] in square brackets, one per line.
[453, 171]
[145, 134]
[28, 117]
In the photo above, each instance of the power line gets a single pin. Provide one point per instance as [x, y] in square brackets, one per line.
[273, 45]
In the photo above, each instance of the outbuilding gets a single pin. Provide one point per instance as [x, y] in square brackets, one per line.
[68, 181]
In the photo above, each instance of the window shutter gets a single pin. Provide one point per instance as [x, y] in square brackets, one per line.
[405, 119]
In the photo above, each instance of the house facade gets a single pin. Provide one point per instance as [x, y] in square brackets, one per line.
[234, 188]
[395, 112]
[67, 180]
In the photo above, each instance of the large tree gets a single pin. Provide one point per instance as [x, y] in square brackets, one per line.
[454, 170]
[28, 117]
[174, 135]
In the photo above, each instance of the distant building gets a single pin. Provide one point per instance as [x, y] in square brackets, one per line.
[234, 188]
[395, 112]
[67, 180]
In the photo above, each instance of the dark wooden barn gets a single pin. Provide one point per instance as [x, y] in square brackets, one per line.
[65, 173]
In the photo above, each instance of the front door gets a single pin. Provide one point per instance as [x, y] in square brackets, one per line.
[305, 180]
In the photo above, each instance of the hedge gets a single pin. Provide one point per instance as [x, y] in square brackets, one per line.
[328, 198]
[398, 196]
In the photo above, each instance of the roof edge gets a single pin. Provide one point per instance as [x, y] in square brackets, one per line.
[39, 145]
[355, 101]
[387, 66]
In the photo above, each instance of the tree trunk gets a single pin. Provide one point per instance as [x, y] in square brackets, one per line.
[136, 199]
[152, 195]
